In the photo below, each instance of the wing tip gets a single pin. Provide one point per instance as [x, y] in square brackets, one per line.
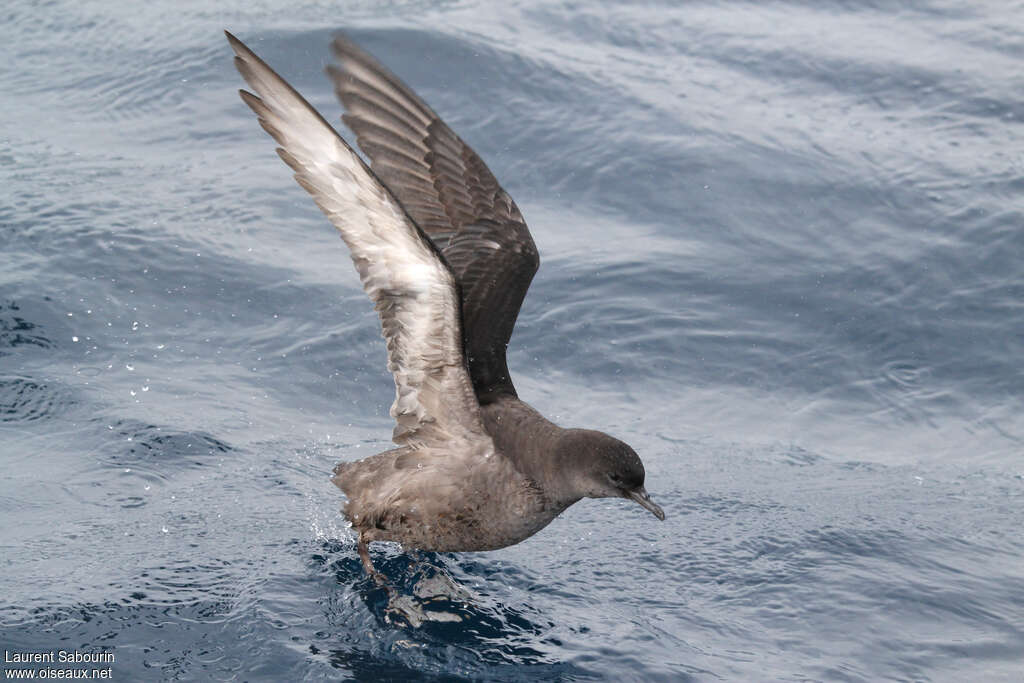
[342, 46]
[345, 50]
[237, 45]
[246, 61]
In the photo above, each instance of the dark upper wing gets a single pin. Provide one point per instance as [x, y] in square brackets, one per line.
[415, 292]
[453, 197]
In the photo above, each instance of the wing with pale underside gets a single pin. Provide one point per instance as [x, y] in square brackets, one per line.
[413, 289]
[452, 195]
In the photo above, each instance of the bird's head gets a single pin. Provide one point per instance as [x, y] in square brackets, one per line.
[604, 467]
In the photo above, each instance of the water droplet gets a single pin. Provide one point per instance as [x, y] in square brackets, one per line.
[129, 366]
[135, 325]
[74, 339]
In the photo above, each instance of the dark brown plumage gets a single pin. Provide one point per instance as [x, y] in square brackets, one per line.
[454, 198]
[446, 256]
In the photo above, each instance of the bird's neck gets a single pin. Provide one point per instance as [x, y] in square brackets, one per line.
[526, 438]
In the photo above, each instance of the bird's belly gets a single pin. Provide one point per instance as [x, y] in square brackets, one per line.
[486, 524]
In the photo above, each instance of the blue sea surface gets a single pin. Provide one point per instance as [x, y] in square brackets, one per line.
[782, 255]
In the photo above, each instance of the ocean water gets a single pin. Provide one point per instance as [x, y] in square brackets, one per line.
[782, 253]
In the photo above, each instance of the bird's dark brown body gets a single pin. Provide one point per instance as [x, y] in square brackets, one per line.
[433, 501]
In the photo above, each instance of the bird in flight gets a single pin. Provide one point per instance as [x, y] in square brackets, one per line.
[446, 257]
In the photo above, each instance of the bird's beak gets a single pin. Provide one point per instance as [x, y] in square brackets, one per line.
[641, 496]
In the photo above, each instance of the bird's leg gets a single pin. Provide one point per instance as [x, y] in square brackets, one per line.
[364, 555]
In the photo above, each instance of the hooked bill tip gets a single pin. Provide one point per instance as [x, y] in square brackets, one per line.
[641, 497]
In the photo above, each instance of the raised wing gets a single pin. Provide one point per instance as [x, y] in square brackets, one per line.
[453, 197]
[414, 291]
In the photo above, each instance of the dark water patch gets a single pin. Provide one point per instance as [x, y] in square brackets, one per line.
[442, 618]
[128, 465]
[23, 399]
[147, 443]
[18, 332]
[212, 588]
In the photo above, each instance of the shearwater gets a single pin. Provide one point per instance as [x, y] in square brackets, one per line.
[446, 257]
